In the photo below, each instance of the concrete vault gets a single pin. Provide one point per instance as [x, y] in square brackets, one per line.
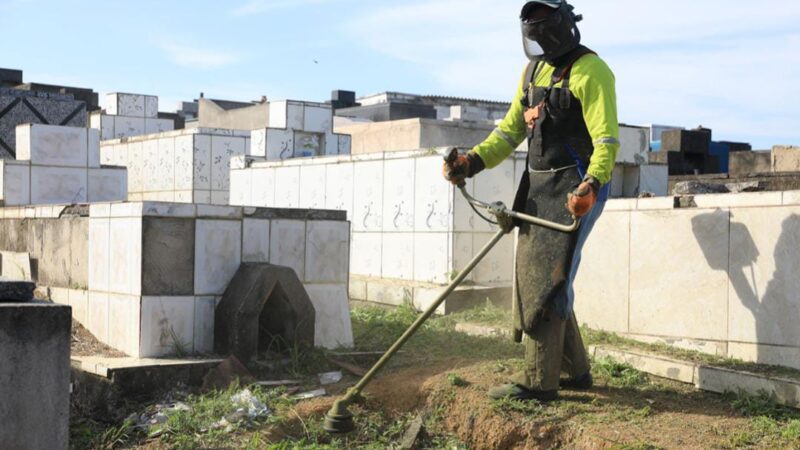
[265, 307]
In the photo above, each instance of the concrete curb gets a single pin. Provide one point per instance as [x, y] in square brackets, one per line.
[719, 380]
[707, 378]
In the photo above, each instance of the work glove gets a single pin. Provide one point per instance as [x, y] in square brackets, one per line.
[581, 201]
[458, 167]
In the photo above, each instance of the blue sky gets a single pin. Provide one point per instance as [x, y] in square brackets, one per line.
[731, 65]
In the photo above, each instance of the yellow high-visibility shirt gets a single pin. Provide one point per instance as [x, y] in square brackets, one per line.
[593, 84]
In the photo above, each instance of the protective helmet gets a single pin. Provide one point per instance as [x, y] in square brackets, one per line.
[553, 36]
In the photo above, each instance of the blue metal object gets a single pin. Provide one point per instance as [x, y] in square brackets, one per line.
[723, 151]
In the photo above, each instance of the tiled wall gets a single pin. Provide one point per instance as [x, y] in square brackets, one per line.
[298, 130]
[408, 223]
[186, 166]
[720, 277]
[59, 165]
[128, 115]
[165, 266]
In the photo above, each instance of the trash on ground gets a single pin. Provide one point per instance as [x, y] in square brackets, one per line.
[249, 409]
[277, 383]
[311, 394]
[330, 378]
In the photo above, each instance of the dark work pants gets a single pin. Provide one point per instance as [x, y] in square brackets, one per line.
[554, 346]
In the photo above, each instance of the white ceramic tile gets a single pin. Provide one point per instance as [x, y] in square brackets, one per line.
[494, 185]
[125, 256]
[202, 162]
[99, 262]
[223, 148]
[277, 114]
[52, 145]
[279, 144]
[204, 313]
[155, 126]
[150, 167]
[345, 142]
[263, 187]
[308, 144]
[16, 182]
[120, 104]
[106, 127]
[693, 269]
[327, 251]
[202, 197]
[366, 254]
[184, 163]
[93, 147]
[331, 144]
[167, 326]
[287, 245]
[241, 187]
[432, 195]
[312, 193]
[368, 196]
[462, 252]
[151, 106]
[497, 266]
[332, 328]
[128, 127]
[287, 187]
[339, 188]
[218, 253]
[464, 219]
[398, 195]
[220, 198]
[123, 323]
[258, 139]
[398, 256]
[58, 185]
[79, 301]
[255, 244]
[432, 257]
[97, 316]
[135, 167]
[107, 185]
[166, 165]
[294, 115]
[317, 119]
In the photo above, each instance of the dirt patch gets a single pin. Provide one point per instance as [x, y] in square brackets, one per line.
[85, 344]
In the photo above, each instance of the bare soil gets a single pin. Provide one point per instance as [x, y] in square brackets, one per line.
[602, 418]
[85, 344]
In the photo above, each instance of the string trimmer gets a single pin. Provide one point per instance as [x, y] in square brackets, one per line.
[339, 419]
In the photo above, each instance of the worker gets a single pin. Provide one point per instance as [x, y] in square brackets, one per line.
[566, 107]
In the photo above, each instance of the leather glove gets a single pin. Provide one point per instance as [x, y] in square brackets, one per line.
[581, 201]
[458, 167]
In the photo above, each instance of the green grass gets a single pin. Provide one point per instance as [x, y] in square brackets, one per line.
[770, 424]
[488, 314]
[617, 374]
[593, 337]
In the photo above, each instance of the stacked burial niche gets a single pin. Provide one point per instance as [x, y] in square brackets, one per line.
[265, 308]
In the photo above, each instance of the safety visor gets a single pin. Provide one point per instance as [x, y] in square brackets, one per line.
[536, 31]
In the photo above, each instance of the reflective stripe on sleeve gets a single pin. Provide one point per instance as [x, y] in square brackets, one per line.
[505, 137]
[607, 140]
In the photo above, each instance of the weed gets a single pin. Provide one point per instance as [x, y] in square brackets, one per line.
[529, 408]
[457, 381]
[635, 446]
[489, 314]
[92, 435]
[617, 374]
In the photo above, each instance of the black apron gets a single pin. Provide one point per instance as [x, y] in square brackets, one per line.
[560, 147]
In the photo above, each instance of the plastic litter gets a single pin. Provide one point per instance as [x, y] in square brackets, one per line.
[330, 378]
[311, 394]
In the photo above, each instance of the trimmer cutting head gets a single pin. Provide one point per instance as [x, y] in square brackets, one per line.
[339, 420]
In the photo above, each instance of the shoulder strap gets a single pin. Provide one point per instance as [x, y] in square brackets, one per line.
[564, 73]
[531, 74]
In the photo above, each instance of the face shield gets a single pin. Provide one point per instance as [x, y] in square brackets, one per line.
[551, 36]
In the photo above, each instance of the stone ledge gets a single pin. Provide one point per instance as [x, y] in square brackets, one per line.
[712, 379]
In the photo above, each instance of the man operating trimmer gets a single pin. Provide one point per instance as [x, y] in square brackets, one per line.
[566, 107]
